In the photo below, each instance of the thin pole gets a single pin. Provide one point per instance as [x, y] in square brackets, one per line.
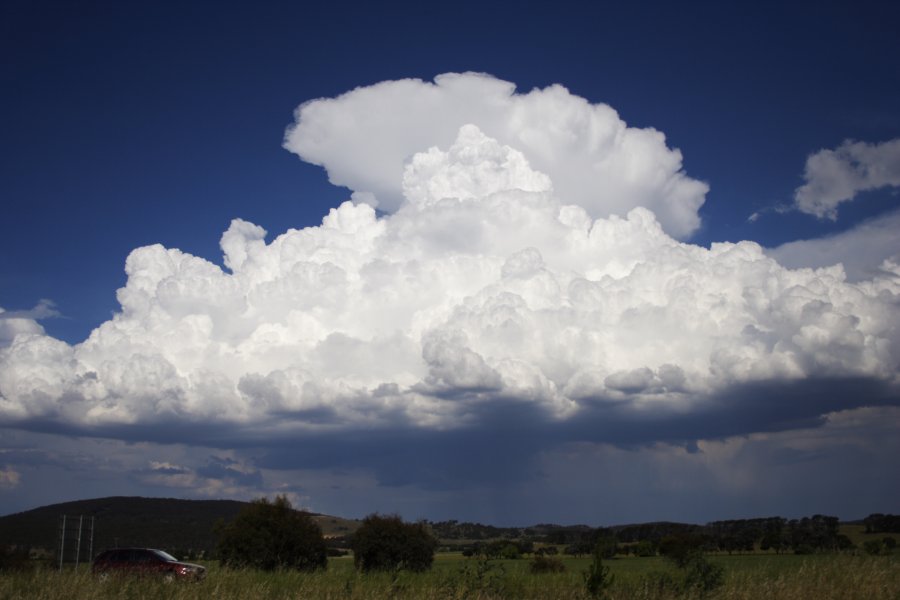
[62, 541]
[91, 544]
[78, 545]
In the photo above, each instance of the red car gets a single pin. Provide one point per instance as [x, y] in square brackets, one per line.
[145, 561]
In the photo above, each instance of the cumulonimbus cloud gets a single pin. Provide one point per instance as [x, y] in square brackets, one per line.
[365, 137]
[837, 176]
[484, 298]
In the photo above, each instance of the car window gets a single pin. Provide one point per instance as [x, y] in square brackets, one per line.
[143, 556]
[165, 556]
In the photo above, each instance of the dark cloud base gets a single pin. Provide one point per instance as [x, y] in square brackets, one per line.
[509, 436]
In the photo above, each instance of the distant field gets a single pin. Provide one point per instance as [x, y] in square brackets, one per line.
[771, 577]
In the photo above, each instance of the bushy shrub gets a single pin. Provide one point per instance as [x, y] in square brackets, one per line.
[510, 552]
[686, 551]
[645, 548]
[272, 535]
[14, 559]
[386, 543]
[546, 564]
[681, 548]
[658, 584]
[703, 576]
[883, 546]
[597, 578]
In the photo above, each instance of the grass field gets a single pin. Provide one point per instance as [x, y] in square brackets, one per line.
[769, 577]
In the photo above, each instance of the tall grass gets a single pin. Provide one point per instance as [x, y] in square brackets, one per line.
[769, 578]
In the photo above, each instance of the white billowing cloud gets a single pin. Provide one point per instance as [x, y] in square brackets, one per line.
[365, 137]
[10, 327]
[864, 250]
[836, 176]
[482, 290]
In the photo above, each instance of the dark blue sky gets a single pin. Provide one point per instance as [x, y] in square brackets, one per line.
[125, 124]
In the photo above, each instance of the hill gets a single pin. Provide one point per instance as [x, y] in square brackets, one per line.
[188, 529]
[182, 527]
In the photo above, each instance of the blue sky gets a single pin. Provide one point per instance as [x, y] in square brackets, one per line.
[127, 125]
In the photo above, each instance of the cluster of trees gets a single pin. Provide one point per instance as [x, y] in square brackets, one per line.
[386, 543]
[544, 532]
[455, 530]
[809, 534]
[508, 549]
[652, 532]
[879, 523]
[883, 546]
[273, 535]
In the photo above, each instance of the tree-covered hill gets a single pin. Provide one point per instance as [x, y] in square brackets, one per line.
[182, 527]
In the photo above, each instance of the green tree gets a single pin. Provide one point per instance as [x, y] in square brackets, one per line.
[645, 548]
[686, 551]
[597, 578]
[386, 543]
[510, 552]
[681, 548]
[702, 576]
[272, 535]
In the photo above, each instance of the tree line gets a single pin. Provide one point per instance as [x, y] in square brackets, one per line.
[272, 535]
[818, 533]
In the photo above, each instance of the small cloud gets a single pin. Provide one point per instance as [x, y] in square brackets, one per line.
[9, 478]
[837, 176]
[230, 469]
[44, 309]
[165, 468]
[167, 475]
[775, 208]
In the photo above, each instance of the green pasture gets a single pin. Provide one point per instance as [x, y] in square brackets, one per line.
[753, 576]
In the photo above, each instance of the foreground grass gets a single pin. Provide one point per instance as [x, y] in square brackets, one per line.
[747, 577]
